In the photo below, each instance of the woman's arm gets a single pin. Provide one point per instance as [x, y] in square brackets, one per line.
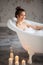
[36, 27]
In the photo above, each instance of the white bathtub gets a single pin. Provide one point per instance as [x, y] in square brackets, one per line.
[32, 42]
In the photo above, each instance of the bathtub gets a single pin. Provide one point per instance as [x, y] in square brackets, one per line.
[31, 41]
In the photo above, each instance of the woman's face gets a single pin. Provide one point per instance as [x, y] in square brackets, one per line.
[22, 16]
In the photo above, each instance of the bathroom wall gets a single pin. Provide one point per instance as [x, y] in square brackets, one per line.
[34, 10]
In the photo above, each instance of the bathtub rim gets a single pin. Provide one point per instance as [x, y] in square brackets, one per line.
[13, 24]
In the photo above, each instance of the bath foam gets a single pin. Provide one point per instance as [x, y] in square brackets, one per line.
[33, 31]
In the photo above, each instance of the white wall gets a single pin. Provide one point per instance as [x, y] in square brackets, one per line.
[34, 10]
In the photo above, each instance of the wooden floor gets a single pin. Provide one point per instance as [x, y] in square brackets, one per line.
[9, 39]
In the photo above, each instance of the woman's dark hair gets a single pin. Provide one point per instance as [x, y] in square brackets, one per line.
[18, 11]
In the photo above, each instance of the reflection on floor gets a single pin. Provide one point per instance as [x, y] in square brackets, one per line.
[9, 38]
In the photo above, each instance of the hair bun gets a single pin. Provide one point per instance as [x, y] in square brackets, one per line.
[17, 8]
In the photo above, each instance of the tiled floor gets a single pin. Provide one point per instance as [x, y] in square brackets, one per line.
[9, 38]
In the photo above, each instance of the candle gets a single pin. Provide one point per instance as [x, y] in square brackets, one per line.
[16, 63]
[23, 62]
[16, 58]
[10, 61]
[11, 55]
[11, 49]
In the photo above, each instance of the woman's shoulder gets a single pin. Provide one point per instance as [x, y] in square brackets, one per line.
[24, 22]
[17, 24]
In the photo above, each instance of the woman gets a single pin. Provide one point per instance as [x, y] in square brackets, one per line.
[20, 15]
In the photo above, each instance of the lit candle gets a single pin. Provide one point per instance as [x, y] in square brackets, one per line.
[11, 55]
[23, 62]
[16, 63]
[10, 61]
[16, 58]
